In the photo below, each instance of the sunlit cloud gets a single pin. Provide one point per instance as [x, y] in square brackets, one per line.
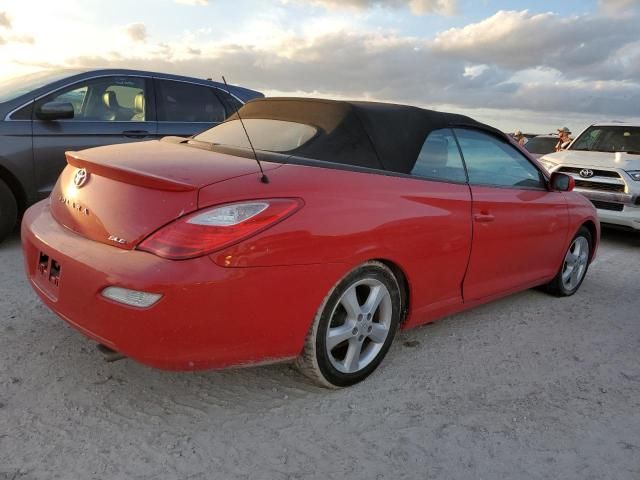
[193, 2]
[417, 7]
[5, 21]
[546, 64]
[137, 32]
[619, 8]
[16, 39]
[8, 36]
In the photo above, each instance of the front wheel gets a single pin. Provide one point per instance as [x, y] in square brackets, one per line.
[354, 327]
[574, 266]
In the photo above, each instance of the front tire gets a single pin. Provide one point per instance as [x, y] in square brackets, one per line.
[574, 266]
[8, 211]
[354, 327]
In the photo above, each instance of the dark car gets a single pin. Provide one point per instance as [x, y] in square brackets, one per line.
[43, 115]
[541, 145]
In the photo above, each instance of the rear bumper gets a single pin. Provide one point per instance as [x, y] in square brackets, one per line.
[208, 317]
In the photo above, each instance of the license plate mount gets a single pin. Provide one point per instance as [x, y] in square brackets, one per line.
[48, 274]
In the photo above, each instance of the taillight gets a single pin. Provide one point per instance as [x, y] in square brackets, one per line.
[212, 229]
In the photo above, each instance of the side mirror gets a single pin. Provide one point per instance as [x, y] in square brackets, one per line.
[561, 182]
[55, 111]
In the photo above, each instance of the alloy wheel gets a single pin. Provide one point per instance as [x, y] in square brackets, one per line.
[575, 263]
[359, 325]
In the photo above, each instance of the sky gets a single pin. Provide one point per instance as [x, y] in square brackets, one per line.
[530, 65]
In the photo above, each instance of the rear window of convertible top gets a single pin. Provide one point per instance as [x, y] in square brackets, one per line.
[266, 134]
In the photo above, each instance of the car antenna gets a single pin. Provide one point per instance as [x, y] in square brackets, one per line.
[263, 178]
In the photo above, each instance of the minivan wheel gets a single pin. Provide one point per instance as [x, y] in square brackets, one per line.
[354, 327]
[574, 266]
[8, 211]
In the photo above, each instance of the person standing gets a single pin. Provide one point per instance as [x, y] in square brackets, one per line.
[563, 139]
[520, 138]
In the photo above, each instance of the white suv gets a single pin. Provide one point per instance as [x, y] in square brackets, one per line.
[604, 161]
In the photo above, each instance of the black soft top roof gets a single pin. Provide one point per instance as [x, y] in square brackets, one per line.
[367, 134]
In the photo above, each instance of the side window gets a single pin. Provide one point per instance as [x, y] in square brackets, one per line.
[24, 113]
[493, 162]
[104, 99]
[439, 158]
[231, 103]
[74, 97]
[186, 102]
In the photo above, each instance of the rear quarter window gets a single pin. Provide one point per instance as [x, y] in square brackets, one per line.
[186, 102]
[439, 158]
[266, 134]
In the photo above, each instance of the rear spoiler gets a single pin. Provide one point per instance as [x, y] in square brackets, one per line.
[127, 175]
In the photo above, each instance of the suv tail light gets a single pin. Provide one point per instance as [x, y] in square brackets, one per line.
[212, 229]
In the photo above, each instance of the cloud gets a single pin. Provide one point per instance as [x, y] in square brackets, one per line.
[24, 39]
[392, 68]
[544, 64]
[518, 40]
[136, 32]
[417, 7]
[618, 8]
[422, 7]
[193, 2]
[5, 21]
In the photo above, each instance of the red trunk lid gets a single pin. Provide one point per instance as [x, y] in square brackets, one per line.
[131, 190]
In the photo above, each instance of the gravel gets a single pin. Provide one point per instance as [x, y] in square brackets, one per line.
[527, 387]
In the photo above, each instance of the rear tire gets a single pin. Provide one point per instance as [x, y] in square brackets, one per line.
[8, 211]
[353, 328]
[574, 266]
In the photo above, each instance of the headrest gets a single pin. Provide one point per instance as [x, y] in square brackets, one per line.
[138, 103]
[110, 100]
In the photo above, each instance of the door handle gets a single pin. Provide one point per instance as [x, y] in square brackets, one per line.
[483, 217]
[135, 133]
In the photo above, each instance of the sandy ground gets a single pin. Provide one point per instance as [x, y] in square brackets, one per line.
[528, 387]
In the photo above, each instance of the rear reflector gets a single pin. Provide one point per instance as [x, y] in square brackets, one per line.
[215, 228]
[132, 298]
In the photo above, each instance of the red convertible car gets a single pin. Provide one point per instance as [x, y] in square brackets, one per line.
[350, 220]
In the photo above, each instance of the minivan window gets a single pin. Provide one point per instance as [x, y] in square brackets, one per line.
[231, 103]
[266, 134]
[76, 98]
[493, 162]
[187, 102]
[104, 99]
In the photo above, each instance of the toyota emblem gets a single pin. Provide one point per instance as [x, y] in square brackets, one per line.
[80, 178]
[586, 173]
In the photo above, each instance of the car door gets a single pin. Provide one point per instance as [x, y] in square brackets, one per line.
[519, 226]
[439, 244]
[185, 109]
[107, 110]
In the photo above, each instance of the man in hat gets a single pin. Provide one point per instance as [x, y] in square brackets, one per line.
[520, 138]
[563, 139]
